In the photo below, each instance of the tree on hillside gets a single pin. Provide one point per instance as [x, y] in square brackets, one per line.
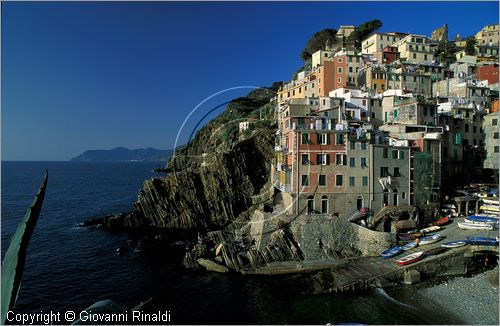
[446, 52]
[319, 41]
[362, 31]
[469, 45]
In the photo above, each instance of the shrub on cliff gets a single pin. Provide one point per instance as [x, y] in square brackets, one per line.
[319, 41]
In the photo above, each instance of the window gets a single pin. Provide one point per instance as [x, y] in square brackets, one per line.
[458, 138]
[414, 55]
[305, 159]
[425, 56]
[322, 159]
[365, 181]
[339, 139]
[474, 129]
[305, 180]
[322, 139]
[494, 122]
[363, 145]
[401, 155]
[322, 180]
[352, 162]
[363, 162]
[352, 145]
[496, 149]
[350, 69]
[339, 80]
[396, 172]
[495, 135]
[466, 127]
[324, 204]
[385, 152]
[339, 180]
[384, 171]
[403, 195]
[339, 70]
[394, 154]
[352, 181]
[305, 138]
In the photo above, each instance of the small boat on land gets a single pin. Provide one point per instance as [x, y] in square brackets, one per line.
[475, 226]
[442, 221]
[406, 260]
[431, 229]
[481, 219]
[391, 252]
[435, 251]
[409, 245]
[430, 239]
[448, 206]
[454, 244]
[409, 236]
[489, 208]
[490, 201]
[482, 241]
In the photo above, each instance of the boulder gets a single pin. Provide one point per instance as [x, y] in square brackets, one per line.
[212, 266]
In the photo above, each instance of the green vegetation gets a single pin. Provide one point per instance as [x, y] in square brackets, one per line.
[319, 41]
[446, 52]
[362, 31]
[307, 66]
[469, 45]
[15, 257]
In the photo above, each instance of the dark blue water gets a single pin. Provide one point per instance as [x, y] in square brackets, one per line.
[71, 268]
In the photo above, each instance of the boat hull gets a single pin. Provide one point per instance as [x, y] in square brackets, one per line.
[454, 244]
[475, 226]
[410, 258]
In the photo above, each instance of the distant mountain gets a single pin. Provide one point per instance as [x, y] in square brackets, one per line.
[122, 154]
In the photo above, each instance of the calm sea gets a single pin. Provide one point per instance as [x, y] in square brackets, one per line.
[70, 268]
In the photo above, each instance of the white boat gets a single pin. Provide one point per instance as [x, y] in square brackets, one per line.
[454, 244]
[430, 239]
[475, 226]
[490, 201]
[410, 258]
[430, 229]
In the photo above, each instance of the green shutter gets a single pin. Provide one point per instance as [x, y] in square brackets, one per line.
[328, 140]
[327, 159]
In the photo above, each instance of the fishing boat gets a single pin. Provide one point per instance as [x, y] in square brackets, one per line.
[409, 236]
[406, 260]
[475, 226]
[489, 208]
[435, 251]
[482, 241]
[409, 245]
[442, 221]
[490, 201]
[391, 252]
[430, 239]
[454, 244]
[431, 229]
[481, 219]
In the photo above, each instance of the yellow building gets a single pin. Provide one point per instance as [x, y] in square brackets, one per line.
[416, 48]
[378, 41]
[489, 35]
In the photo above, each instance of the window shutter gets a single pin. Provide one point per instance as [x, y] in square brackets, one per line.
[318, 139]
[328, 141]
[318, 159]
[327, 159]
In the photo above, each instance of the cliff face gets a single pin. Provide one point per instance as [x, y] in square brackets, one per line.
[212, 191]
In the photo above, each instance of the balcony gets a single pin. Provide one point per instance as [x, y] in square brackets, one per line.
[282, 167]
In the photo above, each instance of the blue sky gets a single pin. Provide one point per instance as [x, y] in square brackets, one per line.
[80, 75]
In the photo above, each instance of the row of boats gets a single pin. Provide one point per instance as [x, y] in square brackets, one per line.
[478, 222]
[406, 260]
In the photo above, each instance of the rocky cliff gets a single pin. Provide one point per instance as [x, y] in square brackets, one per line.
[217, 176]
